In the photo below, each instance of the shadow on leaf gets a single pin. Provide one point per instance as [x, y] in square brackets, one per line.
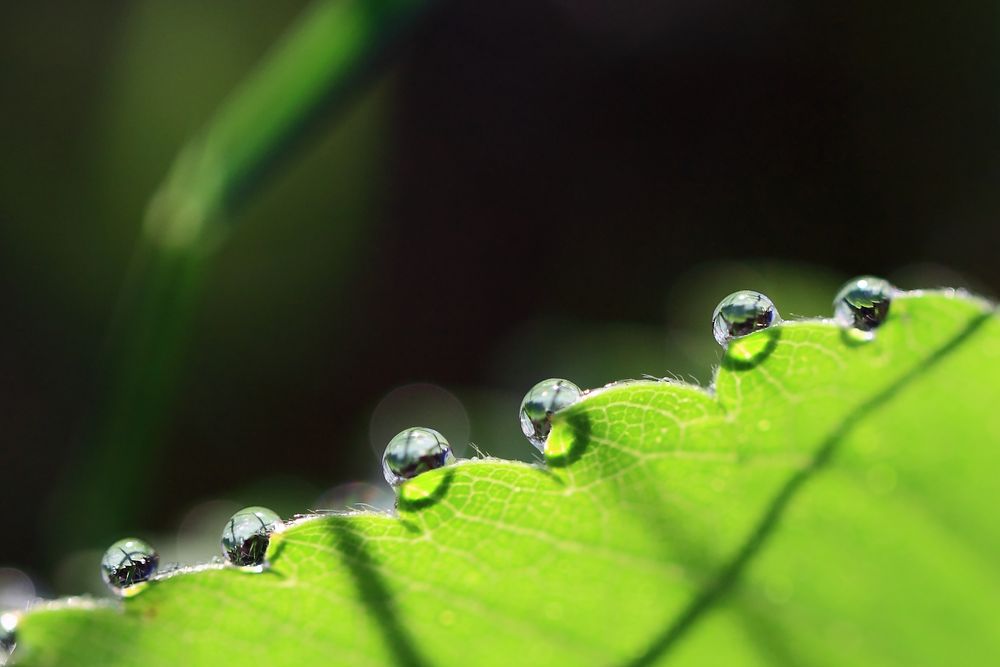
[425, 490]
[568, 443]
[374, 593]
[746, 353]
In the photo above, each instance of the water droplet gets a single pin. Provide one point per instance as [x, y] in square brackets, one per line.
[127, 563]
[863, 303]
[544, 400]
[413, 451]
[418, 403]
[8, 635]
[742, 313]
[247, 534]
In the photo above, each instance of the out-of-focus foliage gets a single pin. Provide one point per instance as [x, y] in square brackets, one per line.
[313, 69]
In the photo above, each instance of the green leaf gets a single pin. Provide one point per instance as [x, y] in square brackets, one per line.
[829, 502]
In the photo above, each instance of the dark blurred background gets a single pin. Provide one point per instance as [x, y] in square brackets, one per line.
[525, 190]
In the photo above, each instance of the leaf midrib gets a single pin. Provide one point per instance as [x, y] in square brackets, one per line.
[734, 567]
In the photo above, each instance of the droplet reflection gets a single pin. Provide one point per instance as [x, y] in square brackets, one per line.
[127, 563]
[541, 402]
[247, 534]
[742, 313]
[863, 304]
[414, 451]
[8, 635]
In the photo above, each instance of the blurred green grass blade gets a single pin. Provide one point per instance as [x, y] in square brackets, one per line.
[828, 504]
[314, 67]
[312, 73]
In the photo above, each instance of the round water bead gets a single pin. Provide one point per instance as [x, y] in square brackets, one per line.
[414, 451]
[247, 534]
[863, 303]
[8, 635]
[128, 562]
[541, 402]
[741, 313]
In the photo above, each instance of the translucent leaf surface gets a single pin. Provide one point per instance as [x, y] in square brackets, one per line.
[829, 502]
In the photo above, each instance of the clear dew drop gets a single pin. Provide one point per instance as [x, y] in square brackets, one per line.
[742, 313]
[541, 402]
[414, 451]
[247, 534]
[127, 563]
[863, 304]
[8, 635]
